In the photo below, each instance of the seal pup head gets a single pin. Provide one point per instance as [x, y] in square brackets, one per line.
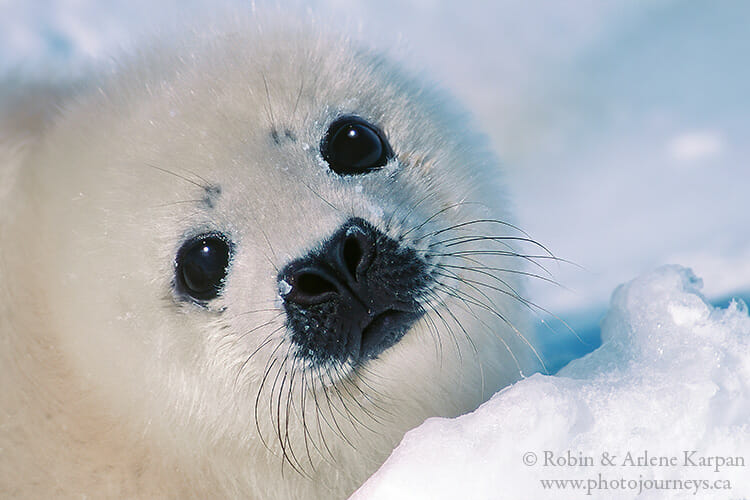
[270, 254]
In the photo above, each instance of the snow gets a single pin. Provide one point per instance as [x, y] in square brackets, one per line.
[668, 388]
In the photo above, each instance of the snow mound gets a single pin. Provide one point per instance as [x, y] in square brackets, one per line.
[660, 410]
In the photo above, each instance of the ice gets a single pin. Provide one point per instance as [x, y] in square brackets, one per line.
[667, 394]
[284, 288]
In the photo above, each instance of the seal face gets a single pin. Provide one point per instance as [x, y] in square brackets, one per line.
[252, 262]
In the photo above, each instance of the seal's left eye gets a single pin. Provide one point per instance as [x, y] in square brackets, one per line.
[354, 146]
[202, 266]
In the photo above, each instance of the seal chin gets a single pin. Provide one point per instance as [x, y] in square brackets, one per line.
[354, 297]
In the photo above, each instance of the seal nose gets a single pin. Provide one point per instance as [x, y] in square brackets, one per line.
[339, 271]
[354, 296]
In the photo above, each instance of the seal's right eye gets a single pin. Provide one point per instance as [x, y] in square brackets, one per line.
[202, 265]
[354, 146]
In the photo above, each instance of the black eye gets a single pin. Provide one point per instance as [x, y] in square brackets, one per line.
[202, 266]
[353, 146]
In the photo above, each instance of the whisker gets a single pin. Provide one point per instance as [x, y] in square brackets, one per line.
[466, 306]
[274, 129]
[535, 308]
[269, 367]
[466, 335]
[205, 185]
[367, 396]
[269, 322]
[433, 329]
[499, 253]
[182, 202]
[461, 240]
[319, 196]
[318, 416]
[412, 207]
[255, 311]
[265, 342]
[432, 217]
[307, 435]
[296, 101]
[286, 450]
[479, 221]
[346, 412]
[286, 443]
[480, 267]
[493, 310]
[353, 397]
[331, 408]
[270, 247]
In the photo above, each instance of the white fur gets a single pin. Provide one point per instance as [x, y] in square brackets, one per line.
[114, 388]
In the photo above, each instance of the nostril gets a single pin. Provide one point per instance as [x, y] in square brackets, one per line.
[313, 284]
[336, 273]
[310, 286]
[352, 254]
[357, 251]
